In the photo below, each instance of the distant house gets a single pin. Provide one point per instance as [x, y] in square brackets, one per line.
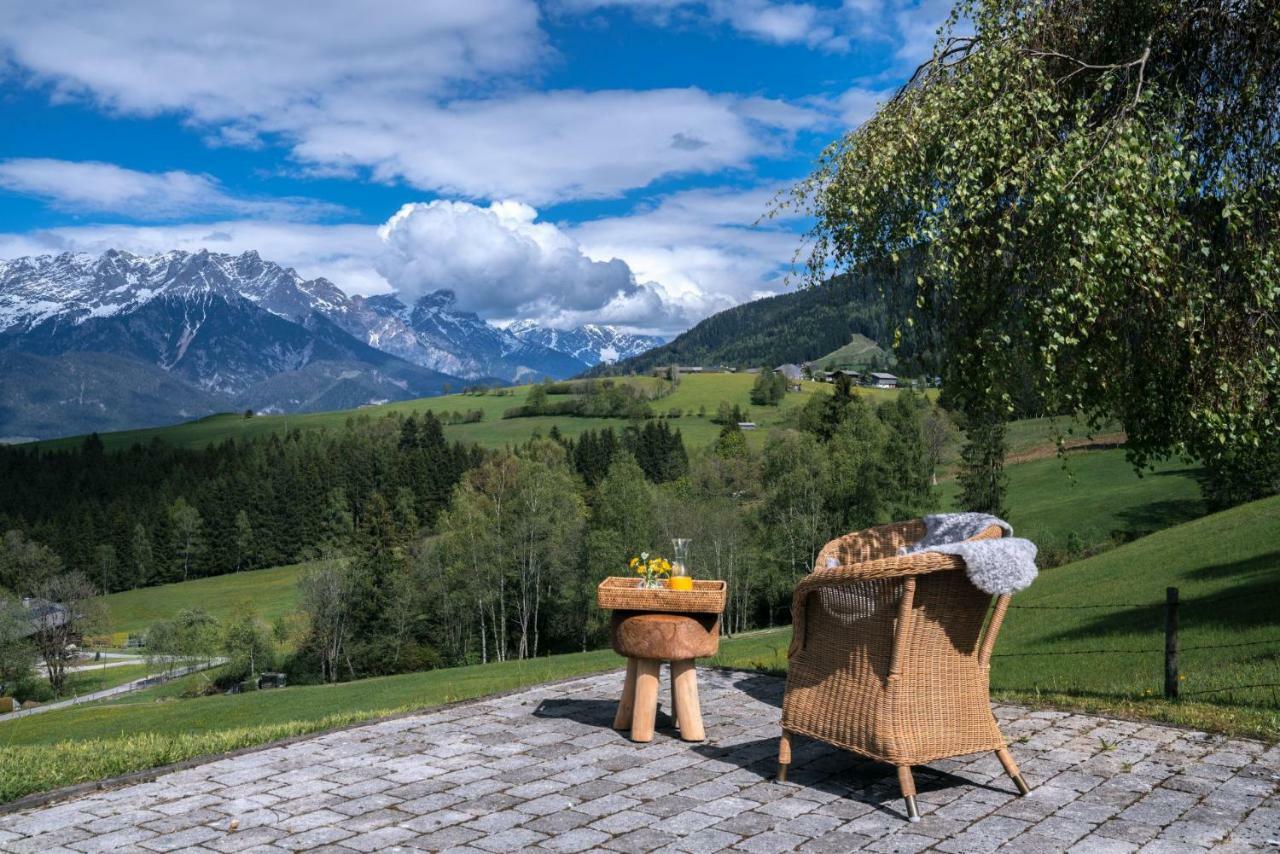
[830, 376]
[876, 380]
[41, 615]
[794, 373]
[746, 425]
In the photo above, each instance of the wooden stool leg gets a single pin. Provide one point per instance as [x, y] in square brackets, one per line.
[684, 700]
[645, 713]
[675, 717]
[784, 756]
[622, 720]
[908, 784]
[1011, 768]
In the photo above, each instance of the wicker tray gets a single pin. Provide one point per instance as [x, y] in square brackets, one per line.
[624, 594]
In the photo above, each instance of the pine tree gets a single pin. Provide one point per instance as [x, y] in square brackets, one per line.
[244, 540]
[140, 552]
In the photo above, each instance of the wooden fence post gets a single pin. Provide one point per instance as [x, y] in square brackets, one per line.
[1171, 643]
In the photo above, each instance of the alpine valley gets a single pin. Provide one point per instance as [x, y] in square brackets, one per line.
[121, 341]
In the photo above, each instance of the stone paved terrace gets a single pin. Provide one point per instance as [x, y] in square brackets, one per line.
[542, 770]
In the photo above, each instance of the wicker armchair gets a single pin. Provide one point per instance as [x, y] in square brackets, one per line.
[890, 657]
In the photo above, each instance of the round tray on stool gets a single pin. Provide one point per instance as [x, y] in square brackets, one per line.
[647, 639]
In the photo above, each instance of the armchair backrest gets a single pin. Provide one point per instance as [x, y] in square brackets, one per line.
[894, 609]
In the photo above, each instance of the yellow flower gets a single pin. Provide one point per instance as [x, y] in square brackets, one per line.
[641, 570]
[666, 565]
[635, 561]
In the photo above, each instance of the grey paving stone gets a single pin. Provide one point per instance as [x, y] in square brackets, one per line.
[641, 840]
[527, 772]
[515, 839]
[381, 839]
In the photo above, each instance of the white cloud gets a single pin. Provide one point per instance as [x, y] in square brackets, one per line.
[88, 186]
[856, 105]
[223, 61]
[419, 92]
[503, 264]
[544, 147]
[706, 250]
[907, 27]
[764, 20]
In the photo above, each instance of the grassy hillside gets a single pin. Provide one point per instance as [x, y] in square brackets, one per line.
[792, 327]
[1227, 568]
[858, 353]
[695, 392]
[271, 592]
[1096, 496]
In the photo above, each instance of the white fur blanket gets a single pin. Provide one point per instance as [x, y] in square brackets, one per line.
[1001, 566]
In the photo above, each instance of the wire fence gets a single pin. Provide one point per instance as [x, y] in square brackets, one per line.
[1171, 650]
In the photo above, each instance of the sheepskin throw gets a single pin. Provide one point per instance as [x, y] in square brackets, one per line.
[1001, 566]
[944, 528]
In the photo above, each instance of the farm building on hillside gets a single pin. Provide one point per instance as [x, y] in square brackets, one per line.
[746, 425]
[876, 380]
[830, 376]
[665, 370]
[794, 373]
[41, 615]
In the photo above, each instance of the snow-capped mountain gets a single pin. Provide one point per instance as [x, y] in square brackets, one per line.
[241, 330]
[433, 332]
[72, 289]
[124, 341]
[590, 343]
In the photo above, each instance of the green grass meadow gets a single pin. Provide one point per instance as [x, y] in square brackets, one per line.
[1095, 495]
[695, 391]
[271, 592]
[100, 678]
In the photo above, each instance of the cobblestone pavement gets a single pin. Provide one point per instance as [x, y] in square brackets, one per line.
[541, 770]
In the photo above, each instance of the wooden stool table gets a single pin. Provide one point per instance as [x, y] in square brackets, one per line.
[651, 626]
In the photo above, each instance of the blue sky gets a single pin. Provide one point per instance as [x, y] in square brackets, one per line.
[573, 160]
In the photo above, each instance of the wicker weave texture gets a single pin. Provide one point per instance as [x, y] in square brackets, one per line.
[625, 594]
[889, 659]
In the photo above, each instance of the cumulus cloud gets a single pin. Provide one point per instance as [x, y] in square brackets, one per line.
[93, 187]
[706, 250]
[907, 27]
[500, 262]
[764, 20]
[237, 60]
[548, 146]
[419, 92]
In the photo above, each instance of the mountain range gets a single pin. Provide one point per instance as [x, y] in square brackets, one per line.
[121, 340]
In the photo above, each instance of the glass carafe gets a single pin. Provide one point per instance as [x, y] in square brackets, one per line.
[680, 557]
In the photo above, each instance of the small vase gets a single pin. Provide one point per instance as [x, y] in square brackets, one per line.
[680, 562]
